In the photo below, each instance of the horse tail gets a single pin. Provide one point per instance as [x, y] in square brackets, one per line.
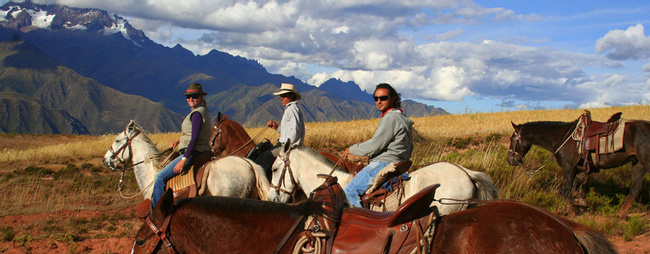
[261, 183]
[593, 242]
[485, 187]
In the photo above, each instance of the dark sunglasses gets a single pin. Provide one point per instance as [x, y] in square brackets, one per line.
[381, 98]
[193, 96]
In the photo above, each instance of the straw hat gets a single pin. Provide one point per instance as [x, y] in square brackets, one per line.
[195, 88]
[288, 88]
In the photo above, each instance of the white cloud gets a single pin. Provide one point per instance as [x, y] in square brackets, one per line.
[370, 41]
[629, 44]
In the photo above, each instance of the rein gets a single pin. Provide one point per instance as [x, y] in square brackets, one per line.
[517, 135]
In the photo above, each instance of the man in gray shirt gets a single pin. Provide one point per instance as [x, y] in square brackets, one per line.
[292, 126]
[392, 142]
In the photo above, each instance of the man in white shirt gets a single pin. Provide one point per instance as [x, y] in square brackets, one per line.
[292, 126]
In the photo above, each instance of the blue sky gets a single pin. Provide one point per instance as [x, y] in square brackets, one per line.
[463, 56]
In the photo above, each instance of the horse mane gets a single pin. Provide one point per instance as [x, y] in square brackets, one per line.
[306, 208]
[158, 156]
[318, 156]
[549, 123]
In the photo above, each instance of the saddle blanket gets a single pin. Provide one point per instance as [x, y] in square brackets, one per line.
[613, 142]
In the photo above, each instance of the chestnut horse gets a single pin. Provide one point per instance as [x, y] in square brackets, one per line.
[554, 136]
[231, 138]
[230, 225]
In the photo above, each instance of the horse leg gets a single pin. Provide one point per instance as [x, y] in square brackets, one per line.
[638, 171]
[568, 188]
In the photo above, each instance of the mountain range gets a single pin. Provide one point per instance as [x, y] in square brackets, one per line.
[86, 71]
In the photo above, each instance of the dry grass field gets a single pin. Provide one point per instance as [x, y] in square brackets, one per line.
[58, 197]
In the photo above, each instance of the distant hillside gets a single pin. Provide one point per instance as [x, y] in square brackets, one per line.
[38, 96]
[108, 50]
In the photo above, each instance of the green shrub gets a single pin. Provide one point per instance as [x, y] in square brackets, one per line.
[636, 225]
[8, 233]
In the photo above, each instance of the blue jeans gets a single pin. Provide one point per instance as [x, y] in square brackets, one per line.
[160, 183]
[362, 182]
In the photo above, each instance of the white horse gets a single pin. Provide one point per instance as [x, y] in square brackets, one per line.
[298, 166]
[231, 176]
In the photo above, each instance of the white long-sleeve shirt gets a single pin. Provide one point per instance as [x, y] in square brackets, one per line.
[292, 125]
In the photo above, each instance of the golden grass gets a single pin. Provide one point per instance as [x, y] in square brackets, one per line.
[346, 133]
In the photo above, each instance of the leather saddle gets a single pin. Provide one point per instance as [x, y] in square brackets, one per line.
[187, 184]
[376, 199]
[593, 131]
[358, 230]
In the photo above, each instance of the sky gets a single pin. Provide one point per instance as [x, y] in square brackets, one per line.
[463, 56]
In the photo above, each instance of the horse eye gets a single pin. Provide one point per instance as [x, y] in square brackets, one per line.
[140, 243]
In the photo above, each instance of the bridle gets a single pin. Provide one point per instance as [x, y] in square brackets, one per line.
[516, 154]
[287, 168]
[125, 162]
[215, 136]
[161, 234]
[121, 150]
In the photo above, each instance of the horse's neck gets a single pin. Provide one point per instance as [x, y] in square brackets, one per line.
[145, 174]
[309, 167]
[239, 139]
[144, 171]
[549, 137]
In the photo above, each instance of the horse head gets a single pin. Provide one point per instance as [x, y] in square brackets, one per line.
[518, 146]
[216, 138]
[120, 153]
[153, 234]
[283, 180]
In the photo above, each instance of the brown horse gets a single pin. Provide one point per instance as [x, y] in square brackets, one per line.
[555, 137]
[231, 138]
[230, 225]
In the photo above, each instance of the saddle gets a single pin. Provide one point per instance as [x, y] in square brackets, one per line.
[388, 189]
[187, 184]
[259, 149]
[358, 230]
[589, 134]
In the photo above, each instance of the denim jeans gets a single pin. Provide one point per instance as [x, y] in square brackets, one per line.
[160, 182]
[362, 182]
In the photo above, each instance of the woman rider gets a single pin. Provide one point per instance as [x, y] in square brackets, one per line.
[194, 140]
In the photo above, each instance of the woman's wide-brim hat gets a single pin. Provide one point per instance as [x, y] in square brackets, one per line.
[288, 88]
[195, 88]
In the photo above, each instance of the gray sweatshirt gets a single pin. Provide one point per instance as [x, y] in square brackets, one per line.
[392, 141]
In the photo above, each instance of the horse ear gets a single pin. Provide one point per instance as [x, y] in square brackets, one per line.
[513, 125]
[219, 117]
[287, 146]
[130, 126]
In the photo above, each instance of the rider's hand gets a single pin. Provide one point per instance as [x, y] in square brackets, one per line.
[345, 154]
[174, 144]
[271, 124]
[179, 166]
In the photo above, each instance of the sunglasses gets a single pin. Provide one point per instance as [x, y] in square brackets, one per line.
[193, 96]
[381, 98]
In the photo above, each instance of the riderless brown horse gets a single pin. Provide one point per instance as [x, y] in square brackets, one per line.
[222, 224]
[231, 138]
[557, 136]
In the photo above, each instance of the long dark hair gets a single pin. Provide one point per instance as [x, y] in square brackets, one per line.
[397, 99]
